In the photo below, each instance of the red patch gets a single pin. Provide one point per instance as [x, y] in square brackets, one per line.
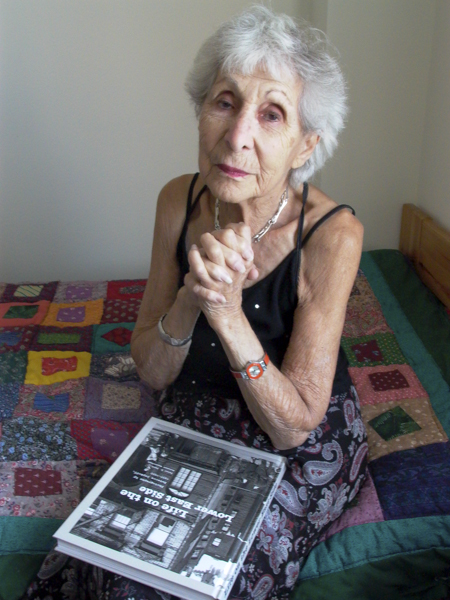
[37, 482]
[52, 365]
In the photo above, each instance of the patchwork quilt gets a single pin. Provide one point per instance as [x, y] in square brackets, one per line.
[71, 400]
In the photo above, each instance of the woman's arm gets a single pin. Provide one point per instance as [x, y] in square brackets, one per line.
[157, 362]
[291, 402]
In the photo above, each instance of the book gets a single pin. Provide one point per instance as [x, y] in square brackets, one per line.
[178, 511]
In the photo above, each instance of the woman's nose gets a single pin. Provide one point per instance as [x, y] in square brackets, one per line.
[241, 131]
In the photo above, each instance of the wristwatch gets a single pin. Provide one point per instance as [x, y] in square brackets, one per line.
[253, 369]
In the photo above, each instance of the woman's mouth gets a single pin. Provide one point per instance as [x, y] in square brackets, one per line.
[232, 171]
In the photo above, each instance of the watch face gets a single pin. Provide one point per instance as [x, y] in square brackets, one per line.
[254, 371]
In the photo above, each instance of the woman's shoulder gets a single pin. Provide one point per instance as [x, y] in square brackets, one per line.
[176, 190]
[335, 224]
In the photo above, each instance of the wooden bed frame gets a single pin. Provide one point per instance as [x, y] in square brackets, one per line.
[427, 245]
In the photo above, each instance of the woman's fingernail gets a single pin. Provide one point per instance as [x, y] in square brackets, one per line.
[226, 278]
[194, 247]
[248, 254]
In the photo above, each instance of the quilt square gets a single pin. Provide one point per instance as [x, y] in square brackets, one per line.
[413, 483]
[77, 314]
[62, 401]
[365, 508]
[76, 339]
[32, 439]
[14, 339]
[394, 426]
[126, 289]
[37, 482]
[114, 367]
[45, 489]
[13, 367]
[22, 314]
[373, 350]
[121, 311]
[394, 423]
[100, 439]
[385, 383]
[110, 338]
[9, 397]
[29, 292]
[124, 402]
[50, 366]
[80, 291]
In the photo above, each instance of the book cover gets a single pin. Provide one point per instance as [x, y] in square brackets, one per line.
[178, 510]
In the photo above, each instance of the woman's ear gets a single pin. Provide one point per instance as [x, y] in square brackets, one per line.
[308, 146]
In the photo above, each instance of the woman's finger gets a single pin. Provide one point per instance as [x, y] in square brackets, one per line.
[238, 237]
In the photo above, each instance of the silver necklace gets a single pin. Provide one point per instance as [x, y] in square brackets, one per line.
[257, 237]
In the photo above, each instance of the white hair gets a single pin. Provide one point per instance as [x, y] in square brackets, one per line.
[259, 38]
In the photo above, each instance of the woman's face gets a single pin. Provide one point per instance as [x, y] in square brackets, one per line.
[251, 136]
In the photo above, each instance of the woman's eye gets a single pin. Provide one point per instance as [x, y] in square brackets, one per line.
[272, 116]
[225, 104]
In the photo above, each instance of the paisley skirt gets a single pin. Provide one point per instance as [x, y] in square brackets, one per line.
[323, 477]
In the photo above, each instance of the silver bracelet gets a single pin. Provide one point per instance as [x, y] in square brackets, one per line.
[167, 338]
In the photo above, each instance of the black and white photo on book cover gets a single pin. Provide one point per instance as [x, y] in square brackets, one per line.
[179, 501]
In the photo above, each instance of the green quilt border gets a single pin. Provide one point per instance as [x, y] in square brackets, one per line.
[426, 314]
[415, 576]
[27, 535]
[416, 353]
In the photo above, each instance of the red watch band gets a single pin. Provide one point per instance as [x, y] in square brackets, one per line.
[253, 369]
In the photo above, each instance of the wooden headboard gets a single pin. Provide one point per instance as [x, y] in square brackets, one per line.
[427, 245]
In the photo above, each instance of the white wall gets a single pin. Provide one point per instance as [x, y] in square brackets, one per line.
[385, 48]
[434, 185]
[93, 121]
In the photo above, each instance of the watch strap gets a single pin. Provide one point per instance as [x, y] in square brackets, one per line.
[253, 369]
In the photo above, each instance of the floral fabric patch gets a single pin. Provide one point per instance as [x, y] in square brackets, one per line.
[395, 426]
[126, 289]
[110, 338]
[74, 314]
[48, 401]
[115, 367]
[33, 439]
[20, 314]
[93, 430]
[29, 292]
[369, 351]
[124, 402]
[364, 508]
[52, 365]
[19, 497]
[9, 397]
[13, 367]
[364, 315]
[49, 366]
[14, 339]
[121, 311]
[385, 383]
[80, 291]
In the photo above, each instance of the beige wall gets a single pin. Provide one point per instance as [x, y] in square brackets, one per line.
[385, 48]
[94, 120]
[434, 185]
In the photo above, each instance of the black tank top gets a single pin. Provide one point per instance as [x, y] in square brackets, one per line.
[269, 306]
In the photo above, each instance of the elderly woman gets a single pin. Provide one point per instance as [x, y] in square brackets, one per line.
[251, 271]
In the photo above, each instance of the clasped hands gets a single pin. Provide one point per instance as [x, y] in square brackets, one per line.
[220, 267]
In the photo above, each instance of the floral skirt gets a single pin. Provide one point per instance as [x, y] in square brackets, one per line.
[322, 478]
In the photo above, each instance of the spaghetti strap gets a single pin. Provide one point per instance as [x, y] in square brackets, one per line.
[301, 220]
[190, 206]
[323, 219]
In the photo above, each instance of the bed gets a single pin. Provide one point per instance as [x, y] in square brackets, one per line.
[70, 401]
